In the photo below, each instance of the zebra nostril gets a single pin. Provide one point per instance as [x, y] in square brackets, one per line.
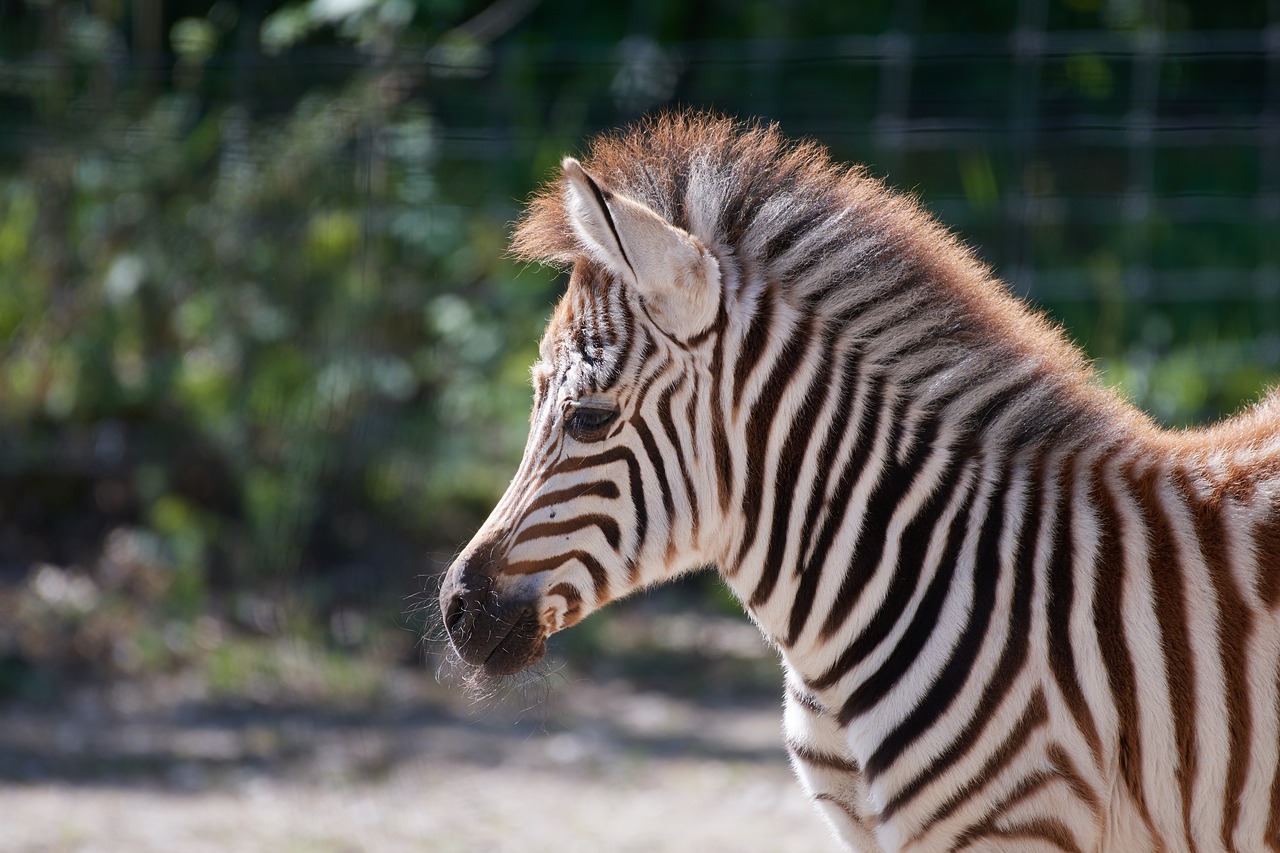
[456, 610]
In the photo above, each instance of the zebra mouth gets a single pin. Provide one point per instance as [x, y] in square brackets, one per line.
[521, 646]
[496, 634]
[501, 640]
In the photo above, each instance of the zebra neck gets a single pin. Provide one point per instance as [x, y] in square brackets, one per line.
[847, 482]
[876, 478]
[843, 439]
[893, 572]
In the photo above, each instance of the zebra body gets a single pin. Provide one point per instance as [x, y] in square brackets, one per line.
[1013, 613]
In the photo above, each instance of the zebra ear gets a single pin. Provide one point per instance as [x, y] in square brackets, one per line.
[675, 275]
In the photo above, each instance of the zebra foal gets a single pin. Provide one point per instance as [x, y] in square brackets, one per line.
[1013, 613]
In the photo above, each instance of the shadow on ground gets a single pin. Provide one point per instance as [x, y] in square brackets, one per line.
[642, 747]
[163, 732]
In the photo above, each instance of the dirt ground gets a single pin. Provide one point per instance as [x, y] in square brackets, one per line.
[568, 765]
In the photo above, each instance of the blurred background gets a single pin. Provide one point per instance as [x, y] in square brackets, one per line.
[263, 368]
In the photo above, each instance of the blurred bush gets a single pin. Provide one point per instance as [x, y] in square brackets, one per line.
[255, 345]
[263, 365]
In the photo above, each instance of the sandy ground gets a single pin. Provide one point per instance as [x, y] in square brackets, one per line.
[569, 766]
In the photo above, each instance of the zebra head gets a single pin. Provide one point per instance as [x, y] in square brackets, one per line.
[610, 491]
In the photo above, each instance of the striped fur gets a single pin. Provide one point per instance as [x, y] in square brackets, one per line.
[1013, 613]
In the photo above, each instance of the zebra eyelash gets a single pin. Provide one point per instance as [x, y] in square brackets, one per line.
[589, 421]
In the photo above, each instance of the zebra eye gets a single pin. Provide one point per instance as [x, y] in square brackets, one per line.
[588, 423]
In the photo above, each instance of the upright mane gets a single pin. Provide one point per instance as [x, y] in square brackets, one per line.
[831, 238]
[828, 237]
[717, 178]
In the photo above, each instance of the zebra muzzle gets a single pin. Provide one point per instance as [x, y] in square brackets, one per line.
[499, 636]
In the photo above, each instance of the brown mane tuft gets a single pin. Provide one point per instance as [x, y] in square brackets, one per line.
[654, 160]
[745, 190]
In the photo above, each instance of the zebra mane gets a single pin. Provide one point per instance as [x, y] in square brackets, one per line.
[827, 235]
[724, 181]
[829, 239]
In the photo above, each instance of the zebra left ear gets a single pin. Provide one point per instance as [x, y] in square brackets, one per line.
[678, 279]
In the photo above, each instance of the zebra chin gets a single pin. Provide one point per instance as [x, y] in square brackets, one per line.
[519, 646]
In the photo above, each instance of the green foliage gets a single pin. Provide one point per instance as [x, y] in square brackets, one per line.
[289, 672]
[255, 316]
[249, 285]
[266, 332]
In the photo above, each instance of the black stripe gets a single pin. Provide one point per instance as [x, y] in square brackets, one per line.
[656, 460]
[850, 373]
[1167, 559]
[1012, 658]
[599, 576]
[806, 700]
[859, 451]
[1108, 619]
[606, 489]
[608, 457]
[814, 256]
[646, 436]
[803, 222]
[608, 527]
[870, 692]
[943, 692]
[669, 428]
[719, 439]
[790, 462]
[895, 481]
[757, 433]
[753, 345]
[825, 760]
[1061, 591]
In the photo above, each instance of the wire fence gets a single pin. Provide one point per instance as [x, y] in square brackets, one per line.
[1139, 141]
[254, 308]
[1127, 180]
[1131, 170]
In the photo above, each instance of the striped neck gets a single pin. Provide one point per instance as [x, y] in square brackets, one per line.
[864, 437]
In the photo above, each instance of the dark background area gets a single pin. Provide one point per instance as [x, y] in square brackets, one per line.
[263, 364]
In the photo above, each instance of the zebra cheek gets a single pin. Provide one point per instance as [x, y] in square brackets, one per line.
[560, 617]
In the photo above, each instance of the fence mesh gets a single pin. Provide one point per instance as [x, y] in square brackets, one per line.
[1126, 179]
